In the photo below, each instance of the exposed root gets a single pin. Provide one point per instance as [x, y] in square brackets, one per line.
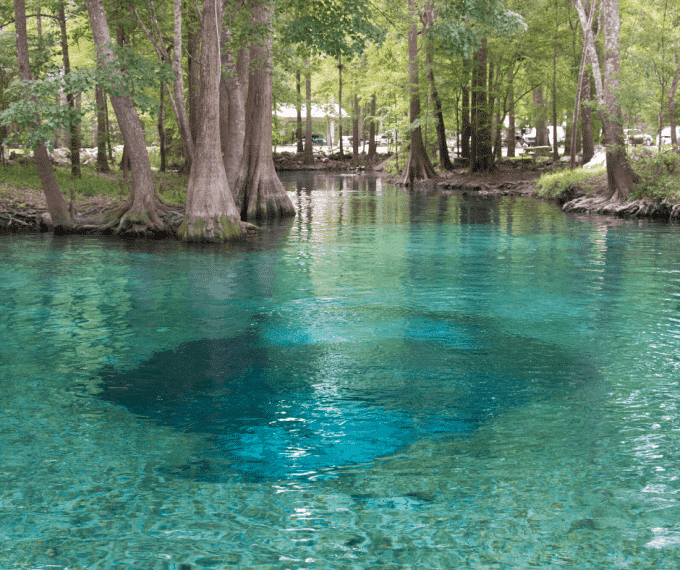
[659, 209]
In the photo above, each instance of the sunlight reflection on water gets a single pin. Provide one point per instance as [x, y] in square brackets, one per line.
[435, 379]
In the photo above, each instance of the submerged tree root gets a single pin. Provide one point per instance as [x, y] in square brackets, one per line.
[658, 209]
[171, 219]
[211, 229]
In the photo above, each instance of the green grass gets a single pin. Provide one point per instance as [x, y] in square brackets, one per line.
[553, 184]
[89, 185]
[171, 186]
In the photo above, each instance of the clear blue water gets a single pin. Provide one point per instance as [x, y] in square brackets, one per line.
[433, 381]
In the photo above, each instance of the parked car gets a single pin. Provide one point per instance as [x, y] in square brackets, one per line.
[384, 139]
[318, 139]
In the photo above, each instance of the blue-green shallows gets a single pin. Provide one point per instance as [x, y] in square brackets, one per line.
[388, 380]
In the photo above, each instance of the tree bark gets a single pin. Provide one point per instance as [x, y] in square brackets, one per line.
[671, 104]
[210, 214]
[309, 151]
[74, 131]
[355, 128]
[418, 165]
[180, 106]
[444, 159]
[298, 111]
[511, 115]
[102, 162]
[554, 91]
[620, 177]
[232, 112]
[161, 130]
[466, 126]
[579, 101]
[176, 96]
[260, 192]
[372, 147]
[587, 136]
[141, 214]
[481, 155]
[57, 207]
[540, 117]
[619, 173]
[340, 67]
[193, 77]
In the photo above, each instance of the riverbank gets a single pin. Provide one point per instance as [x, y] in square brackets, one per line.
[97, 196]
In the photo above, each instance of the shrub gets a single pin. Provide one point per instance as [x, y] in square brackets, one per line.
[659, 175]
[553, 184]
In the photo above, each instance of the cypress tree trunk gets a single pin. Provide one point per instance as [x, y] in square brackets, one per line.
[620, 177]
[540, 117]
[418, 166]
[466, 127]
[259, 190]
[355, 128]
[671, 104]
[161, 130]
[210, 214]
[511, 115]
[193, 77]
[340, 67]
[140, 215]
[309, 151]
[102, 162]
[481, 155]
[74, 131]
[298, 110]
[444, 159]
[56, 204]
[180, 106]
[232, 112]
[619, 173]
[371, 133]
[587, 136]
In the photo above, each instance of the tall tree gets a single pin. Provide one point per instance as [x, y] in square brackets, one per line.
[418, 166]
[481, 152]
[620, 177]
[176, 96]
[260, 193]
[232, 109]
[371, 132]
[466, 127]
[141, 213]
[74, 127]
[309, 152]
[56, 204]
[211, 214]
[102, 162]
[444, 159]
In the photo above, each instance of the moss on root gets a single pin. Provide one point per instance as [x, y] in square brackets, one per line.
[200, 229]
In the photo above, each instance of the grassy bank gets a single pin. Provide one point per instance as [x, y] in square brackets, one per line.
[659, 178]
[170, 185]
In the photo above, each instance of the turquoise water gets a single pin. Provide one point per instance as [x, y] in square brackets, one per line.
[432, 381]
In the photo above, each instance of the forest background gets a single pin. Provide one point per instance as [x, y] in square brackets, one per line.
[201, 85]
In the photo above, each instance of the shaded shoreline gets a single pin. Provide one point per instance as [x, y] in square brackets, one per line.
[26, 212]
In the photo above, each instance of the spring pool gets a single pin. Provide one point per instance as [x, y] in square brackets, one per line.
[434, 381]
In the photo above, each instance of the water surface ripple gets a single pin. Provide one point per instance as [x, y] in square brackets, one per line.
[394, 380]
